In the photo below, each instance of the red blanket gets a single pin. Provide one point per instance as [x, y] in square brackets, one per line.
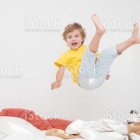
[36, 120]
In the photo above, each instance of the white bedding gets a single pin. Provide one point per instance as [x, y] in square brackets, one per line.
[12, 128]
[21, 136]
[99, 130]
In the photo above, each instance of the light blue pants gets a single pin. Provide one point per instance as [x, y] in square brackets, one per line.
[93, 75]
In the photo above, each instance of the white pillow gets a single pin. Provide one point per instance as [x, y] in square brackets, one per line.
[13, 124]
[75, 127]
[13, 128]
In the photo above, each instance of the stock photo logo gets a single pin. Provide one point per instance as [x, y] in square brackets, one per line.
[120, 116]
[41, 25]
[114, 24]
[10, 71]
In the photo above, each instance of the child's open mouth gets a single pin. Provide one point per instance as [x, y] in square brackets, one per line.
[74, 44]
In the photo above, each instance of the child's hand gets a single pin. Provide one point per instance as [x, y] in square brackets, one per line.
[55, 85]
[107, 77]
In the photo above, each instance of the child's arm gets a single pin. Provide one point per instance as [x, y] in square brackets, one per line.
[60, 133]
[59, 77]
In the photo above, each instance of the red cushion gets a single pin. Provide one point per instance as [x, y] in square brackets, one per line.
[27, 115]
[59, 123]
[36, 120]
[1, 114]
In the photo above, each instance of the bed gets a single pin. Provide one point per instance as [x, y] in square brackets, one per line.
[12, 128]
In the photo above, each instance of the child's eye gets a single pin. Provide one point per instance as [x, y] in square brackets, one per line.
[69, 36]
[76, 35]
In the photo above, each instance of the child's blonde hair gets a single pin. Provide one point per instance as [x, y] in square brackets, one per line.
[72, 27]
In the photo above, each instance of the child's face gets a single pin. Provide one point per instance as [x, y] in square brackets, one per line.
[74, 39]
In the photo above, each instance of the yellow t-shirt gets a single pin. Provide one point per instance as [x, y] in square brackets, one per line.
[71, 59]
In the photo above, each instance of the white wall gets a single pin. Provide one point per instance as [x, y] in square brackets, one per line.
[30, 41]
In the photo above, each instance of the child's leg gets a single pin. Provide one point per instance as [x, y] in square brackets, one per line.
[109, 54]
[104, 62]
[94, 44]
[87, 69]
[134, 39]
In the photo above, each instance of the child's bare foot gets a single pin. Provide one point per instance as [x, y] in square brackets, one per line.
[100, 29]
[135, 38]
